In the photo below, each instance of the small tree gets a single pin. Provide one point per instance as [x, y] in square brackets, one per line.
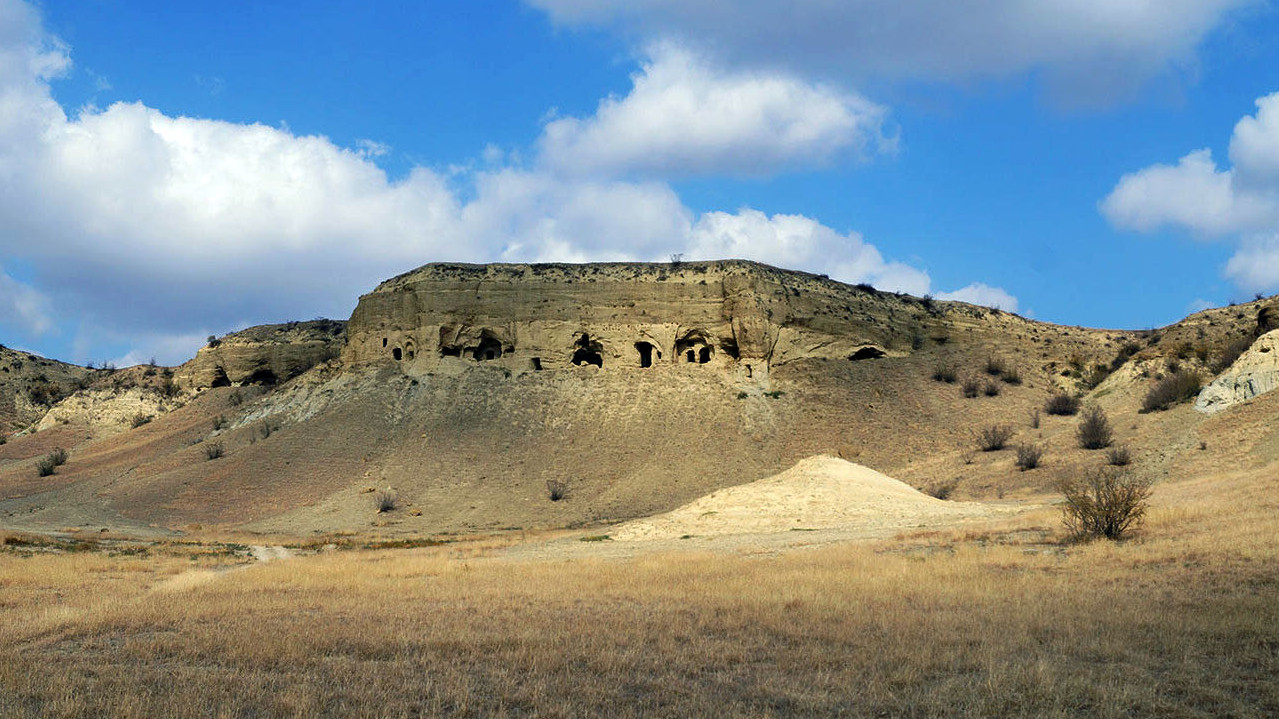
[1094, 430]
[1105, 504]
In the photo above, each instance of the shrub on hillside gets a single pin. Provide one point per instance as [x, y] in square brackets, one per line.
[970, 387]
[945, 372]
[1229, 353]
[140, 419]
[385, 500]
[1062, 404]
[1012, 375]
[1179, 386]
[1106, 503]
[213, 450]
[943, 489]
[991, 389]
[46, 466]
[995, 366]
[1094, 431]
[994, 437]
[556, 489]
[1029, 456]
[1119, 456]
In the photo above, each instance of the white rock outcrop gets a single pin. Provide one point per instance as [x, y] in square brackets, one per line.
[1255, 372]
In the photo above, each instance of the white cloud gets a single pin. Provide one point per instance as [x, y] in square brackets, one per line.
[798, 241]
[1240, 202]
[1094, 49]
[23, 305]
[149, 226]
[685, 117]
[980, 293]
[1255, 265]
[1193, 193]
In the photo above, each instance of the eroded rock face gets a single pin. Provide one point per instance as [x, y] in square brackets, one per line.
[732, 316]
[1255, 372]
[263, 355]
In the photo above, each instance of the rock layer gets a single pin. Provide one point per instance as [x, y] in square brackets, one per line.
[1255, 372]
[733, 316]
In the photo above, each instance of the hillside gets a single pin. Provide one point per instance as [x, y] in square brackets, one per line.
[636, 387]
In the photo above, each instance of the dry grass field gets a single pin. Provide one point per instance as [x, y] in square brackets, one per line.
[1008, 620]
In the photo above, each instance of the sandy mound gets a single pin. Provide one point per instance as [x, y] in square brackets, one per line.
[821, 492]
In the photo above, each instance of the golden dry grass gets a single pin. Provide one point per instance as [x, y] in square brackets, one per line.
[1181, 622]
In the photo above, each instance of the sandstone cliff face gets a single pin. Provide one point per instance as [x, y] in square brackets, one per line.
[263, 355]
[734, 316]
[30, 385]
[1255, 372]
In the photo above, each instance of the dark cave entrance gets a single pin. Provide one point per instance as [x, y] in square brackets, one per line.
[489, 349]
[588, 352]
[264, 376]
[646, 353]
[220, 379]
[398, 354]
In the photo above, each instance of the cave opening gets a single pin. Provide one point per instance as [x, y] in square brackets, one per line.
[398, 354]
[866, 353]
[489, 349]
[588, 352]
[646, 352]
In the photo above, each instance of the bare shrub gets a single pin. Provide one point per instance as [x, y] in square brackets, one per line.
[45, 466]
[1106, 503]
[1094, 431]
[213, 450]
[219, 423]
[1179, 386]
[140, 419]
[970, 387]
[991, 389]
[1029, 456]
[265, 429]
[943, 489]
[385, 500]
[995, 366]
[945, 372]
[1229, 353]
[235, 399]
[1119, 456]
[1012, 375]
[1034, 418]
[994, 438]
[58, 457]
[556, 489]
[1062, 404]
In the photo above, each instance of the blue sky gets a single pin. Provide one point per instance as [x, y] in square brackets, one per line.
[173, 170]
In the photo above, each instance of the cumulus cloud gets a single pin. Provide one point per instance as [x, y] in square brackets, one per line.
[1255, 265]
[798, 241]
[153, 227]
[1240, 201]
[685, 117]
[980, 293]
[1091, 48]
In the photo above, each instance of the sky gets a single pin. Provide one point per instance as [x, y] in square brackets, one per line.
[174, 170]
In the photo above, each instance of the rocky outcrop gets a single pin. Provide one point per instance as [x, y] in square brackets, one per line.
[30, 385]
[733, 316]
[1255, 372]
[263, 355]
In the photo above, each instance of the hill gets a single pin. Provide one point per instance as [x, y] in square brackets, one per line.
[636, 387]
